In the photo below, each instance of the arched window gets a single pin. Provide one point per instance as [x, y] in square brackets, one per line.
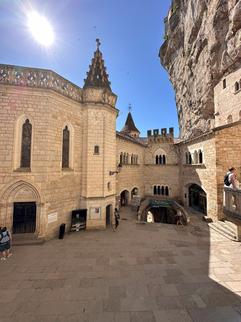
[65, 147]
[163, 190]
[200, 157]
[166, 191]
[157, 159]
[195, 157]
[159, 190]
[236, 86]
[154, 190]
[121, 158]
[127, 158]
[163, 159]
[25, 161]
[160, 159]
[189, 158]
[229, 119]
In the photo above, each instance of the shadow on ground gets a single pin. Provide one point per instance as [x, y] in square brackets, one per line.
[141, 273]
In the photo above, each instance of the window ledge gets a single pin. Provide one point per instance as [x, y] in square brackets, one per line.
[195, 165]
[22, 170]
[130, 164]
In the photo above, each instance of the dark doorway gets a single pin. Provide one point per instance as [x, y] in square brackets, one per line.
[24, 217]
[198, 198]
[124, 198]
[164, 215]
[78, 219]
[108, 215]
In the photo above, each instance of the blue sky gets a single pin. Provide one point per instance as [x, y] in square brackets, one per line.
[131, 33]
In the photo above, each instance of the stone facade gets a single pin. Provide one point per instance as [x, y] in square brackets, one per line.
[105, 167]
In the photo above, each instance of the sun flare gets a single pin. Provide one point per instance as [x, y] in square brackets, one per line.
[40, 28]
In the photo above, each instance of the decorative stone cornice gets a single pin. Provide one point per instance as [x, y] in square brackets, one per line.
[39, 78]
[99, 96]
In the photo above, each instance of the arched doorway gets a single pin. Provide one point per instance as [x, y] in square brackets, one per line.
[21, 209]
[198, 198]
[164, 215]
[124, 198]
[134, 192]
[108, 215]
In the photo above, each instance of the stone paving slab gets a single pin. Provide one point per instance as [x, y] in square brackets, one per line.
[149, 273]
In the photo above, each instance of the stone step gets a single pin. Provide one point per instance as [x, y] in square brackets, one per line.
[223, 229]
[230, 228]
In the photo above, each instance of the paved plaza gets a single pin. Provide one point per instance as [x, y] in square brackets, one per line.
[141, 273]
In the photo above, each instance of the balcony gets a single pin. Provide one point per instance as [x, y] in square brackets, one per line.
[232, 203]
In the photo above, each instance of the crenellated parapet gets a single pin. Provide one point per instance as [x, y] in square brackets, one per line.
[161, 135]
[39, 78]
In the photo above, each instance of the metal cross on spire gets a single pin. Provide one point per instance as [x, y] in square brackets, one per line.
[130, 107]
[98, 43]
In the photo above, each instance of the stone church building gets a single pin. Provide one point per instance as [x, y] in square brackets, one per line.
[60, 152]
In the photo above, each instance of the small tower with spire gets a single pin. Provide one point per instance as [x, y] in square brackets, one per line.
[130, 128]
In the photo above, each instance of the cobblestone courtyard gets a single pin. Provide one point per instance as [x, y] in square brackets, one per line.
[141, 273]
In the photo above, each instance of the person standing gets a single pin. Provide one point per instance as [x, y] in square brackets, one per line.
[231, 180]
[5, 243]
[117, 218]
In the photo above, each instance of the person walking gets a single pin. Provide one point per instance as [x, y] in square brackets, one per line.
[5, 243]
[179, 216]
[117, 218]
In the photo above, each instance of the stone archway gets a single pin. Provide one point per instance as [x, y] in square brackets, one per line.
[197, 198]
[18, 197]
[124, 197]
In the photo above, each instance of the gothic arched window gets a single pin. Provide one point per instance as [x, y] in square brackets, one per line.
[163, 190]
[164, 159]
[154, 190]
[157, 159]
[166, 191]
[160, 159]
[200, 156]
[25, 161]
[159, 190]
[65, 148]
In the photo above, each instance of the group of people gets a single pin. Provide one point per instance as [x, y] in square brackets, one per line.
[5, 243]
[231, 179]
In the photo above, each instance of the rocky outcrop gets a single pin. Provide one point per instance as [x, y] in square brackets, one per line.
[202, 44]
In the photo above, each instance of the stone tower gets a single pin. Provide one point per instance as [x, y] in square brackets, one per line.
[99, 155]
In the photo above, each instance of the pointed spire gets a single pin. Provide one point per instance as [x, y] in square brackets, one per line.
[130, 127]
[97, 75]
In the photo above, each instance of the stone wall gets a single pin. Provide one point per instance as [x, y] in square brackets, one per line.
[227, 99]
[131, 175]
[58, 191]
[228, 151]
[204, 175]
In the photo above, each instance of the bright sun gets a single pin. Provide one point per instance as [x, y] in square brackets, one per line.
[40, 28]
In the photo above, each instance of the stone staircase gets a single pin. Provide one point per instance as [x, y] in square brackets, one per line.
[26, 239]
[225, 228]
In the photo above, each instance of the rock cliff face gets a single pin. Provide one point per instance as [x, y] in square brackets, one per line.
[203, 44]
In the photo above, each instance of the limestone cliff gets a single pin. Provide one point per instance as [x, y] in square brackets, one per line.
[202, 44]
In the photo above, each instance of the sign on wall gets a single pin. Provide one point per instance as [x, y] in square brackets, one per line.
[95, 213]
[52, 217]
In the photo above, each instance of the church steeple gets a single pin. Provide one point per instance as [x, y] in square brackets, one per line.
[97, 76]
